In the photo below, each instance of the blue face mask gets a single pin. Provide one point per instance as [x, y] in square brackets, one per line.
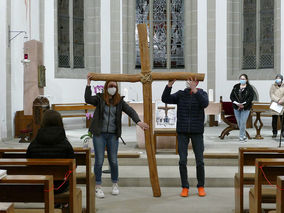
[278, 81]
[243, 81]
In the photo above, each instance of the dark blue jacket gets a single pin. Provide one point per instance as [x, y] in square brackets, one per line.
[190, 109]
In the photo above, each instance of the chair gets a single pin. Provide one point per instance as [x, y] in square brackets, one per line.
[228, 116]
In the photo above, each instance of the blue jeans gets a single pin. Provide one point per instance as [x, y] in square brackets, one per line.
[198, 149]
[242, 116]
[110, 141]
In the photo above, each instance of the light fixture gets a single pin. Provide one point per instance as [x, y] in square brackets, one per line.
[18, 32]
[26, 59]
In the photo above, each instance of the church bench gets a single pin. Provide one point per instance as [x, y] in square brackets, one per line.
[164, 132]
[83, 158]
[39, 188]
[74, 107]
[279, 196]
[56, 167]
[247, 157]
[258, 195]
[6, 207]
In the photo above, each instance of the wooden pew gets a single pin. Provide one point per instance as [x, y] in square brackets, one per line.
[40, 189]
[247, 157]
[258, 195]
[56, 167]
[279, 196]
[74, 107]
[83, 158]
[6, 208]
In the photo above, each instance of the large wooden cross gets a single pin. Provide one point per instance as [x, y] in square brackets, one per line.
[166, 108]
[146, 77]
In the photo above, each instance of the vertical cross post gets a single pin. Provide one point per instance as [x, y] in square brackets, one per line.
[147, 99]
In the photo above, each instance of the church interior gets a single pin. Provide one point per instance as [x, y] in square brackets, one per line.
[55, 51]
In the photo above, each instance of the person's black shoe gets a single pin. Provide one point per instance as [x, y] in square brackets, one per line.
[274, 135]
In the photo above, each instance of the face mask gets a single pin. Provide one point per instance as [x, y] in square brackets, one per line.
[187, 84]
[278, 81]
[111, 90]
[243, 82]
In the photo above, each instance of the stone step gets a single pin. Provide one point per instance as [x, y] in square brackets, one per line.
[210, 159]
[130, 176]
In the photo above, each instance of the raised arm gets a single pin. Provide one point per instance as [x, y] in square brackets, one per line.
[167, 97]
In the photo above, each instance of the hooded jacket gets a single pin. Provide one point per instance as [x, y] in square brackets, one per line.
[190, 109]
[99, 103]
[51, 142]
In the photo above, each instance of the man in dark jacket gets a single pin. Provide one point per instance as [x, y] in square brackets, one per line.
[190, 125]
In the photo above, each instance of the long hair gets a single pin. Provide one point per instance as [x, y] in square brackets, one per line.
[51, 118]
[115, 98]
[245, 75]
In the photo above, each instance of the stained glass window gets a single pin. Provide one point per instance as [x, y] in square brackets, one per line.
[142, 16]
[160, 33]
[266, 45]
[258, 34]
[66, 55]
[177, 35]
[78, 33]
[63, 34]
[163, 42]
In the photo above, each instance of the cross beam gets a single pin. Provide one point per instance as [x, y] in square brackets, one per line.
[146, 77]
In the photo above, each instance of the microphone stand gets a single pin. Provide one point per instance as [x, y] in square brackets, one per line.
[281, 129]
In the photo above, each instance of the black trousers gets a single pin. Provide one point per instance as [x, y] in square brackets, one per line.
[198, 149]
[274, 123]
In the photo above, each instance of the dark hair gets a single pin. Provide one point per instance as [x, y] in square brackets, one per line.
[51, 118]
[116, 96]
[245, 75]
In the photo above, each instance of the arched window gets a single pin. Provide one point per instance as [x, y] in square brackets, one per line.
[258, 34]
[165, 22]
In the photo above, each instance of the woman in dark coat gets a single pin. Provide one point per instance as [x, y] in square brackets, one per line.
[106, 129]
[242, 96]
[51, 142]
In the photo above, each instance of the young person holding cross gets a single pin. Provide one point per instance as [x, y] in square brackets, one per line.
[191, 103]
[106, 129]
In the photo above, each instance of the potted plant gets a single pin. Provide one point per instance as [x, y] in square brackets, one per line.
[86, 139]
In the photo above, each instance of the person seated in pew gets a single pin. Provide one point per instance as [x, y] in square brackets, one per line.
[277, 95]
[51, 142]
[106, 129]
[242, 96]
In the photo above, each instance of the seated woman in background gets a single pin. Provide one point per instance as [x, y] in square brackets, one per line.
[51, 142]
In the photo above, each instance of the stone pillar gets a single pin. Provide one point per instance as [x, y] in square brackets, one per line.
[34, 49]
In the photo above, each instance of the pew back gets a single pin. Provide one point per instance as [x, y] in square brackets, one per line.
[40, 189]
[58, 168]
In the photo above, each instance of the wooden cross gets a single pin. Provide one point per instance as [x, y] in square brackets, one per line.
[146, 77]
[166, 108]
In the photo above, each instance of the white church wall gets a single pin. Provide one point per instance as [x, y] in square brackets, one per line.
[3, 67]
[19, 22]
[202, 41]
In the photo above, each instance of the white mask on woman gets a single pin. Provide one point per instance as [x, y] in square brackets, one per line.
[111, 90]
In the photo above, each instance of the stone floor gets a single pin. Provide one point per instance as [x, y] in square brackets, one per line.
[139, 199]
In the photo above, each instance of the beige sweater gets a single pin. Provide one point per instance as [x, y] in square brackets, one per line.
[276, 94]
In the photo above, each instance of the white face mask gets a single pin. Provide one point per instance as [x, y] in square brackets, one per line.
[111, 90]
[187, 84]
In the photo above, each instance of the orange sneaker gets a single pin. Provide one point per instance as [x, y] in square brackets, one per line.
[184, 192]
[201, 192]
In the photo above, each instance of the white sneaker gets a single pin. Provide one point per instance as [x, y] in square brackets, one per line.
[99, 192]
[115, 190]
